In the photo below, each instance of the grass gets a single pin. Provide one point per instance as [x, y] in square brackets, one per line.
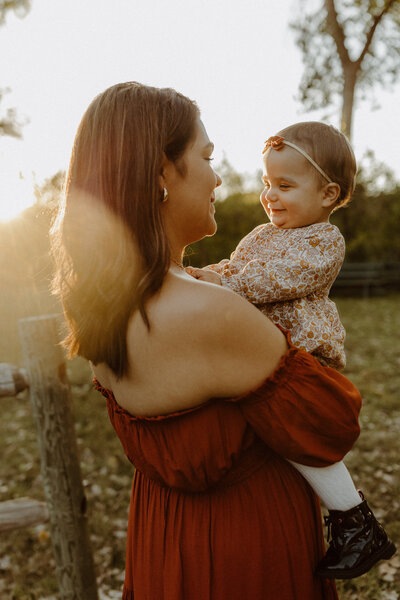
[373, 351]
[26, 561]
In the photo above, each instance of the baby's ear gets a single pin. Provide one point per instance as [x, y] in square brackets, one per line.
[331, 194]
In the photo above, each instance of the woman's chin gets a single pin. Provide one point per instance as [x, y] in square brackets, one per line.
[213, 229]
[208, 231]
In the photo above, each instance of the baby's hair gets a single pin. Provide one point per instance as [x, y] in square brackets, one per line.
[330, 149]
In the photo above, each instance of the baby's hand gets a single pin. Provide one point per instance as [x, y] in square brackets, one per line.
[204, 275]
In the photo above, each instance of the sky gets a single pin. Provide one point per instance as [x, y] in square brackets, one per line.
[236, 58]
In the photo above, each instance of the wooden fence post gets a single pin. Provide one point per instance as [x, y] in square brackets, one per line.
[51, 405]
[12, 380]
[22, 512]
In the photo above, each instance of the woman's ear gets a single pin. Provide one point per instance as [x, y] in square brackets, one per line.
[331, 194]
[167, 173]
[163, 172]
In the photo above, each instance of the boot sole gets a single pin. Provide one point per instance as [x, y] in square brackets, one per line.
[384, 553]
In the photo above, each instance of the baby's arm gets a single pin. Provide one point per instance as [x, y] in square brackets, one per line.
[212, 273]
[305, 266]
[204, 274]
[219, 267]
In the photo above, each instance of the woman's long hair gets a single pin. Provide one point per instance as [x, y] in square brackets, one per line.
[108, 240]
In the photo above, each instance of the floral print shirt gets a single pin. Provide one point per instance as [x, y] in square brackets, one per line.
[287, 274]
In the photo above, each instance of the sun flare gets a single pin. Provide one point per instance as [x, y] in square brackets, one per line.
[16, 194]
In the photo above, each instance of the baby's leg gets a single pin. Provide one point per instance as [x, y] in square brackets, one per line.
[357, 540]
[333, 485]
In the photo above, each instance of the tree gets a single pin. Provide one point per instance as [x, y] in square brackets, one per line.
[348, 47]
[20, 8]
[236, 216]
[9, 124]
[233, 182]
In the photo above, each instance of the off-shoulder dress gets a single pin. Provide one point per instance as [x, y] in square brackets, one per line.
[216, 513]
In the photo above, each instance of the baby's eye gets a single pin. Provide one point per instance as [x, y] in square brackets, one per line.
[284, 186]
[210, 158]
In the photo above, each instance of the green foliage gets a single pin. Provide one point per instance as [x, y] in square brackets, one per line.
[9, 124]
[19, 7]
[322, 78]
[346, 46]
[371, 222]
[233, 182]
[323, 67]
[236, 216]
[48, 195]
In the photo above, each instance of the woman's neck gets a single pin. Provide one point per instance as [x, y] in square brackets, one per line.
[178, 263]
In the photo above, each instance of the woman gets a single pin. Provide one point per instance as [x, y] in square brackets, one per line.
[204, 392]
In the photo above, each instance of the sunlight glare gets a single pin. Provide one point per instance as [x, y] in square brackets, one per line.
[16, 194]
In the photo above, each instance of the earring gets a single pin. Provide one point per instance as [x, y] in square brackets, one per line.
[165, 197]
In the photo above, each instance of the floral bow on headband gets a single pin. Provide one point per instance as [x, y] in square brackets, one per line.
[276, 142]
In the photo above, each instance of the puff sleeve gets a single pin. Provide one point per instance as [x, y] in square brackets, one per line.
[305, 412]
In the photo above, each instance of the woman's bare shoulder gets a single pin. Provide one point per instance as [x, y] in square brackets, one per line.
[233, 346]
[206, 307]
[204, 342]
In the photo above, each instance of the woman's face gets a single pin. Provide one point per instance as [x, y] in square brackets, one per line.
[189, 209]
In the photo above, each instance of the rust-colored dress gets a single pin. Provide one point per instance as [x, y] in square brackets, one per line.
[216, 513]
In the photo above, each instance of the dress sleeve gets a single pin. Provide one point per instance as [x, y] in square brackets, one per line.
[308, 265]
[305, 412]
[229, 263]
[218, 267]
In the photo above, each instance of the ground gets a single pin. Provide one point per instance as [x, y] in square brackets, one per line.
[26, 561]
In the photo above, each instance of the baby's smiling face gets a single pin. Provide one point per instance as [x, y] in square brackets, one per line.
[293, 195]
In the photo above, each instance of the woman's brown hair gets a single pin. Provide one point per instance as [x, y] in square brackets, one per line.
[331, 151]
[108, 240]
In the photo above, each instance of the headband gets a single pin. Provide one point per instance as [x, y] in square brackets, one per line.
[277, 142]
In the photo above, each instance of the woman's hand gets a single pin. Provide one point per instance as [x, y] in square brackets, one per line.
[204, 275]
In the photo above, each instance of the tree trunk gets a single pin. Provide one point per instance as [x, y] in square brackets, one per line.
[51, 405]
[350, 72]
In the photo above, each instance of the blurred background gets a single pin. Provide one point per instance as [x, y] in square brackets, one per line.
[253, 67]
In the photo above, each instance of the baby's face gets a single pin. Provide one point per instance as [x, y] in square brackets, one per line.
[293, 195]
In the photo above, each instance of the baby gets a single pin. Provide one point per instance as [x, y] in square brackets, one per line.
[286, 268]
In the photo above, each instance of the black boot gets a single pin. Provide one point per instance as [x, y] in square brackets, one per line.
[357, 543]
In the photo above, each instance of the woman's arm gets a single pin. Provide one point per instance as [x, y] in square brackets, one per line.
[303, 411]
